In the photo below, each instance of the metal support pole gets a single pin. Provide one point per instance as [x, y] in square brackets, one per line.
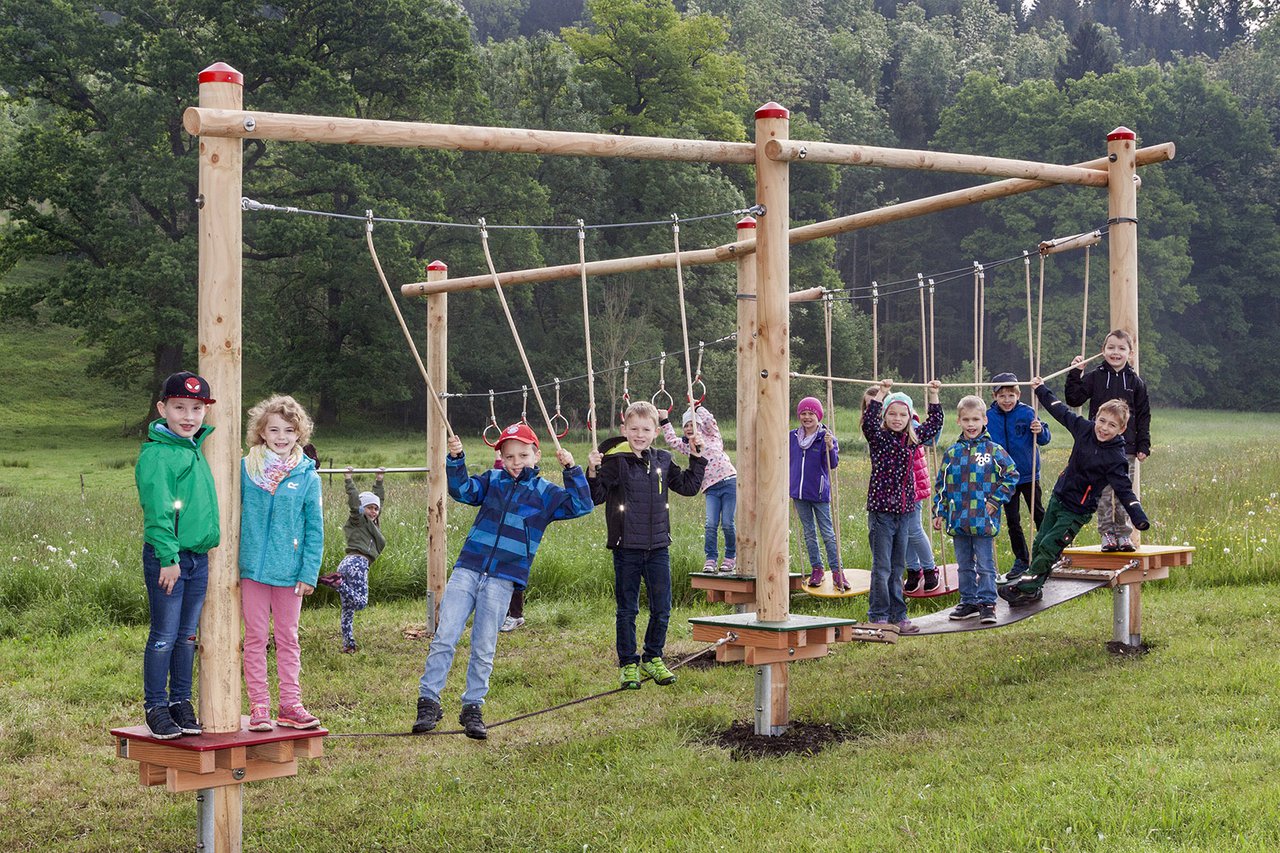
[1120, 615]
[204, 818]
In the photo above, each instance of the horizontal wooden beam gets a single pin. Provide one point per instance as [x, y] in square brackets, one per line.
[935, 161]
[290, 127]
[800, 234]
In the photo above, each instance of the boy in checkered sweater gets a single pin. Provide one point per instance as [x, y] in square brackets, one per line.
[976, 478]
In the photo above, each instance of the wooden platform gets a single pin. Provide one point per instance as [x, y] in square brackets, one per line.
[734, 589]
[948, 582]
[859, 581]
[189, 763]
[1148, 563]
[1056, 591]
[754, 642]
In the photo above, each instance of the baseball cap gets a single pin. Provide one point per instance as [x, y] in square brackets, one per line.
[187, 384]
[520, 432]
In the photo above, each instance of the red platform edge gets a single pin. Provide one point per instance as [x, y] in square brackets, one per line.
[221, 740]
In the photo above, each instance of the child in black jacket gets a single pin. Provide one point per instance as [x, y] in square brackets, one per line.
[1097, 460]
[632, 479]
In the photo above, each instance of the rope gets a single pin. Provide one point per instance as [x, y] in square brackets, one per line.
[897, 384]
[1084, 318]
[586, 331]
[422, 368]
[1035, 401]
[831, 408]
[875, 330]
[976, 387]
[515, 333]
[354, 735]
[684, 325]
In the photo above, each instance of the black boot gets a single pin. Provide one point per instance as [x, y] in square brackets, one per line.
[930, 580]
[912, 583]
[472, 723]
[429, 714]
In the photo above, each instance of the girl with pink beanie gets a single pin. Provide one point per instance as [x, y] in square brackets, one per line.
[814, 455]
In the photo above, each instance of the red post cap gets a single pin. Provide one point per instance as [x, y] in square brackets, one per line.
[773, 109]
[1121, 132]
[746, 222]
[221, 72]
[437, 265]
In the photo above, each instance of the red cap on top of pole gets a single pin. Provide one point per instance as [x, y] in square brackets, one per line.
[773, 109]
[221, 72]
[437, 265]
[1121, 132]
[746, 222]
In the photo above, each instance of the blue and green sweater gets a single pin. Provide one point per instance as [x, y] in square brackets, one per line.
[513, 515]
[973, 471]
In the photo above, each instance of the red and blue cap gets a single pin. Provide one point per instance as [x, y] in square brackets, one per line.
[187, 384]
[520, 432]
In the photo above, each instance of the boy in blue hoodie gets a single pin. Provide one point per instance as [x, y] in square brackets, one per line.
[516, 505]
[1014, 426]
[976, 477]
[1097, 460]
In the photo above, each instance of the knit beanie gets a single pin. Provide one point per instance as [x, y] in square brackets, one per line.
[899, 397]
[809, 404]
[369, 499]
[687, 416]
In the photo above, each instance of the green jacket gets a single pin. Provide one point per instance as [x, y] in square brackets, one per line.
[175, 487]
[363, 536]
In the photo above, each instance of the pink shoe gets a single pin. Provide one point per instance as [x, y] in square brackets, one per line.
[709, 565]
[297, 717]
[815, 577]
[260, 719]
[838, 582]
[906, 626]
[729, 565]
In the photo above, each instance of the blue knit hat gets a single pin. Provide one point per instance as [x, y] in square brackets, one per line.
[899, 397]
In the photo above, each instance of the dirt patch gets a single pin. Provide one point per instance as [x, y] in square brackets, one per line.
[800, 738]
[1124, 650]
[707, 660]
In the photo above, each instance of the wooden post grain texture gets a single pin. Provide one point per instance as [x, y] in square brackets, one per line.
[437, 438]
[747, 403]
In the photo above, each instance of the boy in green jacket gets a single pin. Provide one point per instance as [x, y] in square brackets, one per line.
[180, 526]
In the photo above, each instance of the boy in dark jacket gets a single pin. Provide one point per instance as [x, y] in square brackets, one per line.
[632, 479]
[1014, 426]
[516, 505]
[1097, 460]
[1114, 380]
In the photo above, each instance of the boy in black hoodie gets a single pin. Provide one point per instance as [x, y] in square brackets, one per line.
[1114, 380]
[1097, 460]
[632, 479]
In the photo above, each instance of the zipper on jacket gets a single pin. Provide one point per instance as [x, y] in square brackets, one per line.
[498, 536]
[1085, 496]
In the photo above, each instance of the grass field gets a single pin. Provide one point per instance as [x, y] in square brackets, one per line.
[1031, 737]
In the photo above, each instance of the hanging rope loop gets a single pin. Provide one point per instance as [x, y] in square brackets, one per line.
[492, 425]
[558, 417]
[662, 386]
[697, 376]
[626, 391]
[524, 405]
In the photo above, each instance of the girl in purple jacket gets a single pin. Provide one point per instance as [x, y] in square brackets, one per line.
[814, 454]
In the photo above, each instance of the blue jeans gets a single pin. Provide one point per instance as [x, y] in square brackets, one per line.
[467, 592]
[976, 556]
[919, 548]
[175, 616]
[888, 533]
[809, 511]
[630, 566]
[722, 505]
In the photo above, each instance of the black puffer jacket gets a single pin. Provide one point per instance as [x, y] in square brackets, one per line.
[634, 490]
[1102, 384]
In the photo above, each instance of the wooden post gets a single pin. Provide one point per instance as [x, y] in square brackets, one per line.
[746, 422]
[220, 174]
[437, 432]
[1122, 243]
[773, 390]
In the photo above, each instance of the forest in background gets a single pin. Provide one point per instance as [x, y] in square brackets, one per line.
[98, 183]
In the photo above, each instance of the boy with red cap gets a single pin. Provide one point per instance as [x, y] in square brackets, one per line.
[179, 527]
[516, 505]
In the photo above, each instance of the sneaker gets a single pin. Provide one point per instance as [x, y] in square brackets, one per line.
[906, 626]
[987, 614]
[184, 716]
[429, 714]
[1124, 543]
[260, 719]
[815, 577]
[1109, 542]
[472, 723]
[657, 670]
[930, 580]
[1014, 574]
[511, 623]
[333, 580]
[160, 723]
[630, 676]
[349, 648]
[912, 583]
[1021, 594]
[729, 566]
[965, 611]
[297, 717]
[709, 565]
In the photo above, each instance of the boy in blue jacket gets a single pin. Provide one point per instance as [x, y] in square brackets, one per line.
[975, 478]
[1097, 460]
[516, 505]
[1014, 426]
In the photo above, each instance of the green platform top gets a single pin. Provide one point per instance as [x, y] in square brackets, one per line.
[792, 623]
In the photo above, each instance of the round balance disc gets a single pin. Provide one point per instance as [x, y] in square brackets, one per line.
[859, 582]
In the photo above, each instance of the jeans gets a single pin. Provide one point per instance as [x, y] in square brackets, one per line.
[466, 593]
[170, 654]
[888, 533]
[919, 548]
[1013, 518]
[722, 505]
[976, 556]
[630, 566]
[809, 511]
[1112, 517]
[263, 604]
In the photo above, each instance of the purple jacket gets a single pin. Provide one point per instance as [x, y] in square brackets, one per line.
[810, 473]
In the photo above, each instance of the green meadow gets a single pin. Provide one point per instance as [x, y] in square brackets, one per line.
[1031, 737]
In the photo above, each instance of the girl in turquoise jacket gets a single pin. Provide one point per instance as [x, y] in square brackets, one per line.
[281, 545]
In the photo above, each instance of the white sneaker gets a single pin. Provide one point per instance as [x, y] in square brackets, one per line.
[511, 623]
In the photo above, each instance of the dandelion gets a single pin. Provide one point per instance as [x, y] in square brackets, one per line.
[1226, 550]
[51, 549]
